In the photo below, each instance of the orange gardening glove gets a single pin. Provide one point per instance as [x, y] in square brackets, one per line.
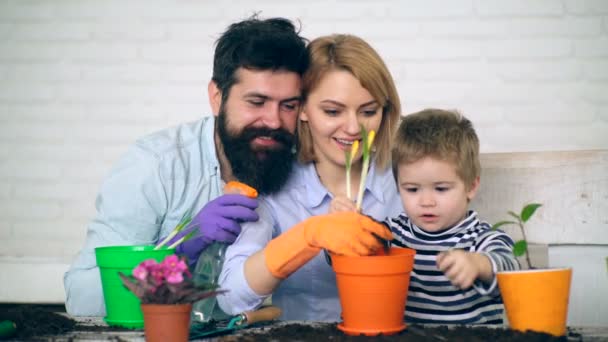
[346, 233]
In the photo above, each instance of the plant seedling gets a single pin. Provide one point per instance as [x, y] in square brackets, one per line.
[349, 155]
[366, 143]
[183, 224]
[521, 247]
[368, 140]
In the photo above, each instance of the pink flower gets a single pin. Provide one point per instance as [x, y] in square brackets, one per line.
[150, 263]
[173, 264]
[174, 277]
[169, 282]
[173, 269]
[157, 275]
[140, 272]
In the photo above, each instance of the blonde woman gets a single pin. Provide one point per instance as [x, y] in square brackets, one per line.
[346, 86]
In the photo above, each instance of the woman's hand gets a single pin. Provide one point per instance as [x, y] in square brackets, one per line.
[341, 204]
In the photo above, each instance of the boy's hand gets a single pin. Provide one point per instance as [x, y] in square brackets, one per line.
[463, 268]
[341, 204]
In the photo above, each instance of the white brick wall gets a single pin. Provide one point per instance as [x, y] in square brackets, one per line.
[82, 79]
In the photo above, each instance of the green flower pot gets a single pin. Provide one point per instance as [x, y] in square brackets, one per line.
[122, 306]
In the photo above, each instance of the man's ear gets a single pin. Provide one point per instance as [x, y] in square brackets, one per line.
[215, 97]
[473, 190]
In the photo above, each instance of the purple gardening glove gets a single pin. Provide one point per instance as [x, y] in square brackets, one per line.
[219, 220]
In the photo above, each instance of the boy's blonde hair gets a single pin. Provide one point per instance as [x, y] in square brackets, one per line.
[352, 54]
[441, 134]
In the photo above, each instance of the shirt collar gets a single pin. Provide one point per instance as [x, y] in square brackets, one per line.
[469, 221]
[315, 190]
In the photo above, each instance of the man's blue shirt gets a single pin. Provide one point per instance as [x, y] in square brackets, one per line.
[161, 177]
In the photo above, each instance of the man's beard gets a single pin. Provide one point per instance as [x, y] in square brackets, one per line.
[265, 169]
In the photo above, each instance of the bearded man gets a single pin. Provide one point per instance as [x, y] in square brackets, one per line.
[255, 97]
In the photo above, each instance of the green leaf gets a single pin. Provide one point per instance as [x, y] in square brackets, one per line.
[347, 159]
[502, 223]
[191, 234]
[514, 215]
[364, 137]
[520, 248]
[529, 210]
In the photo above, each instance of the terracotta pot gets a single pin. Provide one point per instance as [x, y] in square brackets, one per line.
[373, 291]
[166, 322]
[536, 299]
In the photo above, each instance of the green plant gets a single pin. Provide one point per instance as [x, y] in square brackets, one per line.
[183, 224]
[367, 141]
[349, 155]
[521, 246]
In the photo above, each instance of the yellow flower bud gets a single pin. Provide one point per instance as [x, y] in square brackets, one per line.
[370, 139]
[354, 149]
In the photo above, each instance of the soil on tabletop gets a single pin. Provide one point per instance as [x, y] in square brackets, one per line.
[415, 333]
[35, 322]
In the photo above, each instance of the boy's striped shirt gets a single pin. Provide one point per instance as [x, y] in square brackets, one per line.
[431, 296]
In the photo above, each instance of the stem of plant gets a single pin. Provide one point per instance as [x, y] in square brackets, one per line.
[165, 240]
[362, 184]
[178, 242]
[348, 192]
[523, 232]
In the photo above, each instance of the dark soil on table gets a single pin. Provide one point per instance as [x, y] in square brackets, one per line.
[34, 322]
[414, 333]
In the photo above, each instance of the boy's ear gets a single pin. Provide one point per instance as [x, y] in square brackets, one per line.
[215, 97]
[473, 190]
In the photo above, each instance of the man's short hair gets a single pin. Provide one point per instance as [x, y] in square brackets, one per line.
[270, 44]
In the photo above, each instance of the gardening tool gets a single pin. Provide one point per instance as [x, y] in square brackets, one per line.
[243, 320]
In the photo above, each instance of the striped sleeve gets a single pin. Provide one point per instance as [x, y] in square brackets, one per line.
[398, 227]
[498, 247]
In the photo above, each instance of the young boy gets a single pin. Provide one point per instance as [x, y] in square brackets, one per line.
[436, 166]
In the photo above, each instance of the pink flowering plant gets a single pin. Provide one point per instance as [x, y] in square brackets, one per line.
[168, 282]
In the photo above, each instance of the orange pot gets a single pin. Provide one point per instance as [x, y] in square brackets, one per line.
[373, 291]
[536, 299]
[166, 322]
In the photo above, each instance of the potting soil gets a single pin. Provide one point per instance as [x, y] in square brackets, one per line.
[39, 322]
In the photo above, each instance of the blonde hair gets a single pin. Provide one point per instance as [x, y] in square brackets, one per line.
[441, 134]
[352, 54]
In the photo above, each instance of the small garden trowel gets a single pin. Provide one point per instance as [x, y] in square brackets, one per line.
[243, 320]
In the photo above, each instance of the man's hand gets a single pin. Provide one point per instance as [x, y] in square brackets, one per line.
[463, 268]
[218, 220]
